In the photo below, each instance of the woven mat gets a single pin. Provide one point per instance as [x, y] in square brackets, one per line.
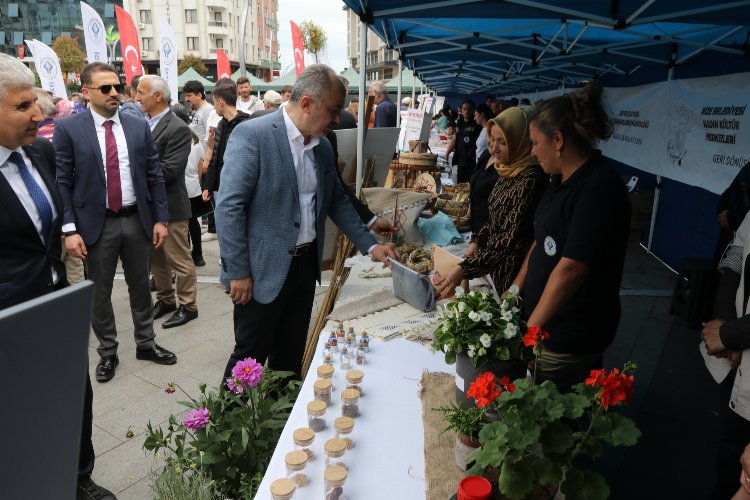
[403, 319]
[441, 473]
[373, 302]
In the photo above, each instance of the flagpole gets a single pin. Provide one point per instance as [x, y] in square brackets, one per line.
[243, 25]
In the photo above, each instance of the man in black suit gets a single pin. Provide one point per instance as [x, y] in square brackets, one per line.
[114, 206]
[173, 141]
[30, 221]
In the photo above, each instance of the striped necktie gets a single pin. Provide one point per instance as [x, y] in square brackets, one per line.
[36, 193]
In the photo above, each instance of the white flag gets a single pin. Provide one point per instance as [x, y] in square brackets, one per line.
[95, 34]
[48, 67]
[168, 57]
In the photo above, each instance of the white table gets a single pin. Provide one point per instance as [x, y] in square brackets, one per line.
[387, 461]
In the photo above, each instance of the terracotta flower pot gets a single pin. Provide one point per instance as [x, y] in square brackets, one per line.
[465, 446]
[466, 374]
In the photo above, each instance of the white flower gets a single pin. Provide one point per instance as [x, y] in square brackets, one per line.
[474, 316]
[471, 352]
[446, 348]
[511, 331]
[507, 315]
[486, 340]
[489, 323]
[515, 310]
[485, 315]
[514, 289]
[472, 293]
[482, 351]
[461, 306]
[459, 291]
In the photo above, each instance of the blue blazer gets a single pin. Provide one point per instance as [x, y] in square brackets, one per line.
[258, 214]
[81, 174]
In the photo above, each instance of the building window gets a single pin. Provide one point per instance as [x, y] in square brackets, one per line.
[147, 43]
[145, 16]
[18, 38]
[219, 43]
[191, 16]
[217, 16]
[109, 10]
[12, 10]
[2, 38]
[192, 43]
[47, 37]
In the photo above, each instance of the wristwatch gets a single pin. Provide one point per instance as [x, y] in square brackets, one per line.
[70, 233]
[163, 222]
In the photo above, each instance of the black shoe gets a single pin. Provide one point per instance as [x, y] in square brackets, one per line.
[158, 355]
[180, 317]
[152, 284]
[89, 490]
[105, 370]
[198, 261]
[161, 308]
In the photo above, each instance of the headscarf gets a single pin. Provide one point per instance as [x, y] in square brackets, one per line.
[514, 125]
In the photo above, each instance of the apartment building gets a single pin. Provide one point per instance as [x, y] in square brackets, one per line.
[382, 63]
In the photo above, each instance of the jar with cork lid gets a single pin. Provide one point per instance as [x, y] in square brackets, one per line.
[283, 489]
[303, 440]
[345, 358]
[316, 411]
[325, 372]
[323, 390]
[350, 403]
[296, 461]
[361, 356]
[335, 451]
[354, 380]
[334, 478]
[344, 427]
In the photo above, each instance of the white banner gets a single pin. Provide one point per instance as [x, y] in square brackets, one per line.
[48, 67]
[94, 34]
[168, 57]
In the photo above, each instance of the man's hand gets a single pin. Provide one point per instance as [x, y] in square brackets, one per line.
[206, 195]
[210, 137]
[445, 286]
[745, 474]
[710, 335]
[160, 235]
[724, 219]
[471, 250]
[75, 246]
[383, 227]
[241, 290]
[382, 252]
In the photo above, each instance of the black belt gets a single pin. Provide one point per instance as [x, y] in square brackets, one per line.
[123, 212]
[301, 249]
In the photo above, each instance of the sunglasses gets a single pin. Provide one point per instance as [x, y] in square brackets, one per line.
[106, 89]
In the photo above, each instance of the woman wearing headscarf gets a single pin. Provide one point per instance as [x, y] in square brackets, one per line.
[501, 245]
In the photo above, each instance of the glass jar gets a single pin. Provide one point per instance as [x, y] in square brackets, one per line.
[283, 489]
[296, 461]
[350, 403]
[323, 389]
[345, 358]
[340, 334]
[316, 411]
[335, 451]
[334, 478]
[325, 372]
[351, 340]
[354, 380]
[344, 427]
[328, 359]
[334, 344]
[366, 338]
[361, 357]
[303, 440]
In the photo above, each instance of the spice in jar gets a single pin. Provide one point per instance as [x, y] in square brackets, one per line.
[334, 478]
[344, 427]
[325, 372]
[316, 411]
[335, 451]
[354, 380]
[366, 338]
[350, 342]
[345, 358]
[340, 334]
[282, 489]
[334, 344]
[303, 440]
[350, 403]
[323, 389]
[361, 357]
[295, 468]
[328, 359]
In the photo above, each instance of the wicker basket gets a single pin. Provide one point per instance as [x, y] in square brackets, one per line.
[421, 160]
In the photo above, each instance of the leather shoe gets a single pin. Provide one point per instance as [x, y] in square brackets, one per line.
[161, 308]
[89, 490]
[198, 261]
[105, 370]
[158, 355]
[180, 317]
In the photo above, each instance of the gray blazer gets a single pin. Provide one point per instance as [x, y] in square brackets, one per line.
[173, 140]
[257, 211]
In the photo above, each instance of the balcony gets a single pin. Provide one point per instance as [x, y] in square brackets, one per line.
[216, 5]
[217, 24]
[219, 28]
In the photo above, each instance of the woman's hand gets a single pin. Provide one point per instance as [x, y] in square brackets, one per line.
[471, 250]
[445, 286]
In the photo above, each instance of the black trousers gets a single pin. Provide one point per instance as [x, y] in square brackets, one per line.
[194, 227]
[86, 454]
[277, 331]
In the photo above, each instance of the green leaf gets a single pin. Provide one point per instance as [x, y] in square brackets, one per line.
[557, 438]
[547, 472]
[617, 430]
[516, 479]
[584, 485]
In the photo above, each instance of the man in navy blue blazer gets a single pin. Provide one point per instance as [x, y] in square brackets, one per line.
[114, 206]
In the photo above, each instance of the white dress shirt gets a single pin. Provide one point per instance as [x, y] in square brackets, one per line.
[126, 179]
[13, 176]
[153, 121]
[307, 179]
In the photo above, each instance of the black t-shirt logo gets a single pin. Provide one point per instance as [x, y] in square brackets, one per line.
[550, 247]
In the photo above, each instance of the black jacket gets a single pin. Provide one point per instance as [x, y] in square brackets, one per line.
[223, 131]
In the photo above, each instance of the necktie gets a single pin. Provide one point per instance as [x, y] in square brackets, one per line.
[36, 193]
[114, 191]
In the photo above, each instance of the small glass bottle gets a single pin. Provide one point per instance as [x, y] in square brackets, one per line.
[327, 347]
[282, 489]
[352, 333]
[303, 440]
[335, 451]
[316, 411]
[354, 380]
[351, 341]
[323, 389]
[345, 358]
[340, 334]
[334, 344]
[361, 357]
[344, 427]
[328, 359]
[296, 461]
[334, 478]
[366, 338]
[326, 372]
[350, 403]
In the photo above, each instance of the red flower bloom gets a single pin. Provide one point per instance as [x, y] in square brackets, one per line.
[507, 385]
[594, 377]
[484, 389]
[533, 336]
[616, 387]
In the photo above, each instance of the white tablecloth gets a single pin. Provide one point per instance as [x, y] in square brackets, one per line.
[387, 461]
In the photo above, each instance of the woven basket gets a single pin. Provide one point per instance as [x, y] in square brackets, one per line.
[422, 160]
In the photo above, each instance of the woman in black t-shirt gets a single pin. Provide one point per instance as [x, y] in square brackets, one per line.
[570, 280]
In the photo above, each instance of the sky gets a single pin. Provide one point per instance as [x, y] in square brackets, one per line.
[329, 14]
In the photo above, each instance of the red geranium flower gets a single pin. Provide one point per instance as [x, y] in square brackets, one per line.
[484, 389]
[507, 385]
[616, 387]
[533, 336]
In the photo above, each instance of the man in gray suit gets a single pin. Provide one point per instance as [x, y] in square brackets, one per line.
[173, 140]
[278, 186]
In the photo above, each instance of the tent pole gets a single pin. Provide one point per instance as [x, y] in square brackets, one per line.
[413, 89]
[398, 97]
[657, 192]
[362, 126]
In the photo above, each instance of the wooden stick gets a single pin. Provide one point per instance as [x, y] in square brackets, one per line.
[395, 216]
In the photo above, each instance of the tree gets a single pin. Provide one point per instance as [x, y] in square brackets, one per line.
[72, 58]
[112, 38]
[314, 38]
[194, 62]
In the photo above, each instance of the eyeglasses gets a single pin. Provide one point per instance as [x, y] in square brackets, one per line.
[106, 89]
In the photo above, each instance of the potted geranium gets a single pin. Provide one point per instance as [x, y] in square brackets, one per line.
[480, 334]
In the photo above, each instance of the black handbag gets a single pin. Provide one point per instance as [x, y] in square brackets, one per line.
[199, 207]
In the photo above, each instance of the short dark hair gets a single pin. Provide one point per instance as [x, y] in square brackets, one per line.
[243, 79]
[354, 99]
[134, 82]
[194, 87]
[450, 123]
[286, 88]
[95, 67]
[225, 81]
[227, 93]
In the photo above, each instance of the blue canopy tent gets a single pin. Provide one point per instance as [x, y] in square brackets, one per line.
[476, 47]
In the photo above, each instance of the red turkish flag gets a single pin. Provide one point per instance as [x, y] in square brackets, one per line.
[299, 48]
[131, 49]
[223, 70]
